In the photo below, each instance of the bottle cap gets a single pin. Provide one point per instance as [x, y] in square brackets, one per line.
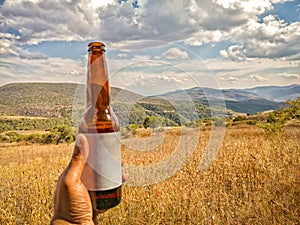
[96, 46]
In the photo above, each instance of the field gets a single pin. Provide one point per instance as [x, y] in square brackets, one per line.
[255, 179]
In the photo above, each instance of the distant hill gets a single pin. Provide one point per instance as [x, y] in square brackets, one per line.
[57, 100]
[49, 99]
[277, 93]
[242, 101]
[36, 99]
[204, 94]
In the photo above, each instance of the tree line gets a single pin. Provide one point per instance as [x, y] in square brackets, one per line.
[57, 130]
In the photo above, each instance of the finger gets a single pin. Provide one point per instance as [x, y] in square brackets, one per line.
[78, 160]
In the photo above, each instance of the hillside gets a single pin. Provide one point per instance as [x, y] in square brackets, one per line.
[59, 99]
[177, 107]
[36, 99]
[241, 101]
[48, 99]
[277, 93]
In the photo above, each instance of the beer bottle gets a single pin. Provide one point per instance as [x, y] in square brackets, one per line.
[102, 174]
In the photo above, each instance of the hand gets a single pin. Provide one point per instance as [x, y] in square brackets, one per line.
[72, 203]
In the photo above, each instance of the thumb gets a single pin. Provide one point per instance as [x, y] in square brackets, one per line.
[78, 160]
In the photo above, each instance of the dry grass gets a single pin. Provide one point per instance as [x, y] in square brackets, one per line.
[254, 180]
[22, 117]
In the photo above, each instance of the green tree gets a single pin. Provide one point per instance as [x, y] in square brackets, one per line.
[154, 122]
[277, 119]
[146, 123]
[293, 110]
[271, 118]
[62, 133]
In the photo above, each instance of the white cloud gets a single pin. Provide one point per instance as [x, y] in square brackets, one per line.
[228, 79]
[245, 74]
[232, 79]
[5, 46]
[290, 76]
[154, 24]
[273, 38]
[7, 36]
[258, 78]
[15, 69]
[175, 53]
[193, 22]
[49, 20]
[122, 55]
[100, 3]
[31, 56]
[207, 73]
[206, 36]
[224, 54]
[140, 58]
[235, 52]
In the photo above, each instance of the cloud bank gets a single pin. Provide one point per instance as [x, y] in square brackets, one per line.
[260, 47]
[192, 22]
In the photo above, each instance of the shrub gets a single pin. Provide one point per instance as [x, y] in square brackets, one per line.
[60, 134]
[57, 134]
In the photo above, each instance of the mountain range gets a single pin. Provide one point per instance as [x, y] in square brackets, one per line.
[57, 99]
[269, 93]
[277, 93]
[251, 101]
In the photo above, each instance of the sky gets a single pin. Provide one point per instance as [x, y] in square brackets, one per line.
[153, 46]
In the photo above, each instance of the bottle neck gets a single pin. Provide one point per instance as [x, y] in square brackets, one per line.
[98, 92]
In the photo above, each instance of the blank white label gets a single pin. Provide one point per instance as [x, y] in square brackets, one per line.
[103, 168]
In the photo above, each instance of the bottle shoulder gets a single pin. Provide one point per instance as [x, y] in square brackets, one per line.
[99, 123]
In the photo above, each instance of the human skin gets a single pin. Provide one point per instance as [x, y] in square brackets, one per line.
[72, 203]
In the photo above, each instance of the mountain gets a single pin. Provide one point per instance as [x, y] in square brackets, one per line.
[68, 100]
[36, 99]
[49, 99]
[242, 101]
[277, 93]
[206, 94]
[62, 99]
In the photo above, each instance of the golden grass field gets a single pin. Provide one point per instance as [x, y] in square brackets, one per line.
[255, 179]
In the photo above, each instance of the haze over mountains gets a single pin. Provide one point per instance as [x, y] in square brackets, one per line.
[277, 93]
[270, 93]
[251, 101]
[56, 99]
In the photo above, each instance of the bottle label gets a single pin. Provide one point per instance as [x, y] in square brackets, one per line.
[103, 169]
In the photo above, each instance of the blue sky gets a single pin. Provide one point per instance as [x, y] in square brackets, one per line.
[156, 47]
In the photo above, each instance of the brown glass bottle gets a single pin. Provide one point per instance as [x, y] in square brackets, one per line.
[102, 173]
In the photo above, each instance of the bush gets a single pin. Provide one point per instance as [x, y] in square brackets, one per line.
[276, 120]
[57, 134]
[271, 129]
[239, 118]
[251, 122]
[272, 118]
[34, 138]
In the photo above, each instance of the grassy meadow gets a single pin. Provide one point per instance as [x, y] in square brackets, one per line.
[255, 179]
